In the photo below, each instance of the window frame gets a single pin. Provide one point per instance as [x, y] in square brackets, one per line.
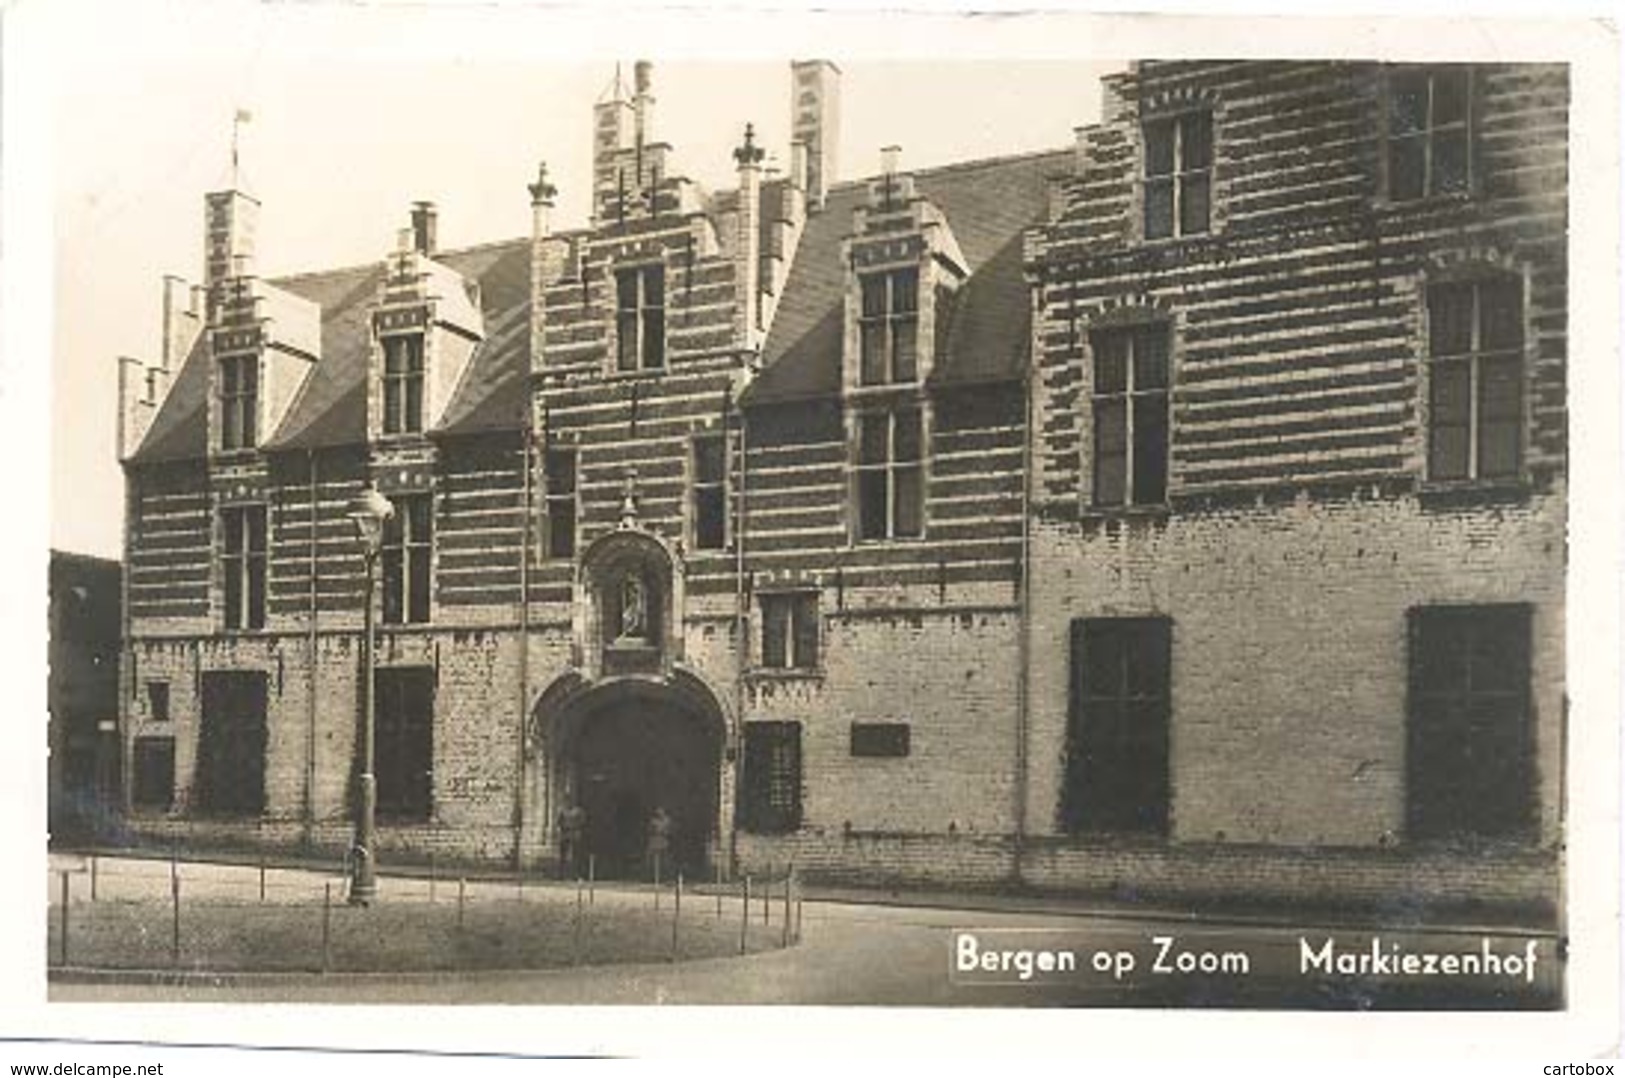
[158, 700]
[884, 325]
[400, 600]
[239, 398]
[1474, 359]
[1180, 177]
[404, 798]
[643, 323]
[720, 488]
[554, 503]
[1428, 130]
[141, 799]
[1129, 398]
[801, 644]
[244, 570]
[398, 384]
[890, 468]
[771, 803]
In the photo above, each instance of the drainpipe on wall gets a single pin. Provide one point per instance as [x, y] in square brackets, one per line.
[310, 646]
[524, 651]
[741, 643]
[1024, 615]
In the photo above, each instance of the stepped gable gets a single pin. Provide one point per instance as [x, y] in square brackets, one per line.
[988, 204]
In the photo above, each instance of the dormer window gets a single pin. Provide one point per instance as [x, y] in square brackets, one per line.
[239, 401]
[888, 327]
[1178, 175]
[640, 318]
[403, 383]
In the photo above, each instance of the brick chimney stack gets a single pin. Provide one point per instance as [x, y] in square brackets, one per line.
[747, 246]
[643, 102]
[815, 122]
[424, 228]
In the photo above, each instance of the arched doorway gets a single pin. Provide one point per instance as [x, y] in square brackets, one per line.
[624, 748]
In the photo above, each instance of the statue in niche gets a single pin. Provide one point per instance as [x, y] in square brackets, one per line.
[634, 610]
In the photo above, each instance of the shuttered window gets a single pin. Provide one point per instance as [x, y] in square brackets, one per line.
[1117, 730]
[770, 801]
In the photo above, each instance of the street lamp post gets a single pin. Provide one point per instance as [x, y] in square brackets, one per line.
[368, 513]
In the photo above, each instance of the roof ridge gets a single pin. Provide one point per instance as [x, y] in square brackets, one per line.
[964, 166]
[357, 267]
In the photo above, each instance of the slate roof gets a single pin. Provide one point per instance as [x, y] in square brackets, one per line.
[331, 409]
[988, 204]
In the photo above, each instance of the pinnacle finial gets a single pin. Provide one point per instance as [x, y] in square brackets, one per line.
[749, 153]
[542, 191]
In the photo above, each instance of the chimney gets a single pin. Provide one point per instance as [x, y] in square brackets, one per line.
[643, 102]
[230, 222]
[135, 408]
[182, 324]
[798, 165]
[547, 257]
[424, 221]
[747, 247]
[815, 122]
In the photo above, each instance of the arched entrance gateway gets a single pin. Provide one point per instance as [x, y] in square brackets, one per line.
[629, 729]
[627, 746]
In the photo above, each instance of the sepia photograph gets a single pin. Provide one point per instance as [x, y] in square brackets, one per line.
[986, 529]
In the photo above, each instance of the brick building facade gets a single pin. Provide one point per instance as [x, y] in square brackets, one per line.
[1178, 512]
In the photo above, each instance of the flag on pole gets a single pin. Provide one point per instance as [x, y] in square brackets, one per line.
[244, 116]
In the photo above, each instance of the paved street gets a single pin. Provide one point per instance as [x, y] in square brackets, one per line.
[864, 953]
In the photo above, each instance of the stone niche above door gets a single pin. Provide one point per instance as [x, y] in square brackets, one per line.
[629, 605]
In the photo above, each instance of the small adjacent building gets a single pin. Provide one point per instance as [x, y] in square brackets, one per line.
[82, 777]
[1178, 512]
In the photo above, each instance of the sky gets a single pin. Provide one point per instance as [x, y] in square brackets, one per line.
[346, 133]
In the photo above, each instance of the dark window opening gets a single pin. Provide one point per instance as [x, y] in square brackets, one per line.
[770, 801]
[1469, 772]
[1131, 415]
[403, 383]
[790, 631]
[560, 469]
[640, 318]
[158, 701]
[889, 475]
[880, 738]
[239, 401]
[710, 492]
[408, 554]
[1117, 729]
[404, 742]
[1178, 175]
[243, 565]
[230, 774]
[1430, 123]
[888, 327]
[1475, 379]
[153, 762]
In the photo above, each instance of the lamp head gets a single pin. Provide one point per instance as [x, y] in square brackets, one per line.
[368, 513]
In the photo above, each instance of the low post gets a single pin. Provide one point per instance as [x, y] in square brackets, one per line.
[93, 874]
[327, 926]
[262, 876]
[676, 912]
[63, 961]
[519, 880]
[719, 888]
[767, 894]
[175, 920]
[462, 886]
[744, 913]
[784, 936]
[575, 931]
[592, 875]
[431, 877]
